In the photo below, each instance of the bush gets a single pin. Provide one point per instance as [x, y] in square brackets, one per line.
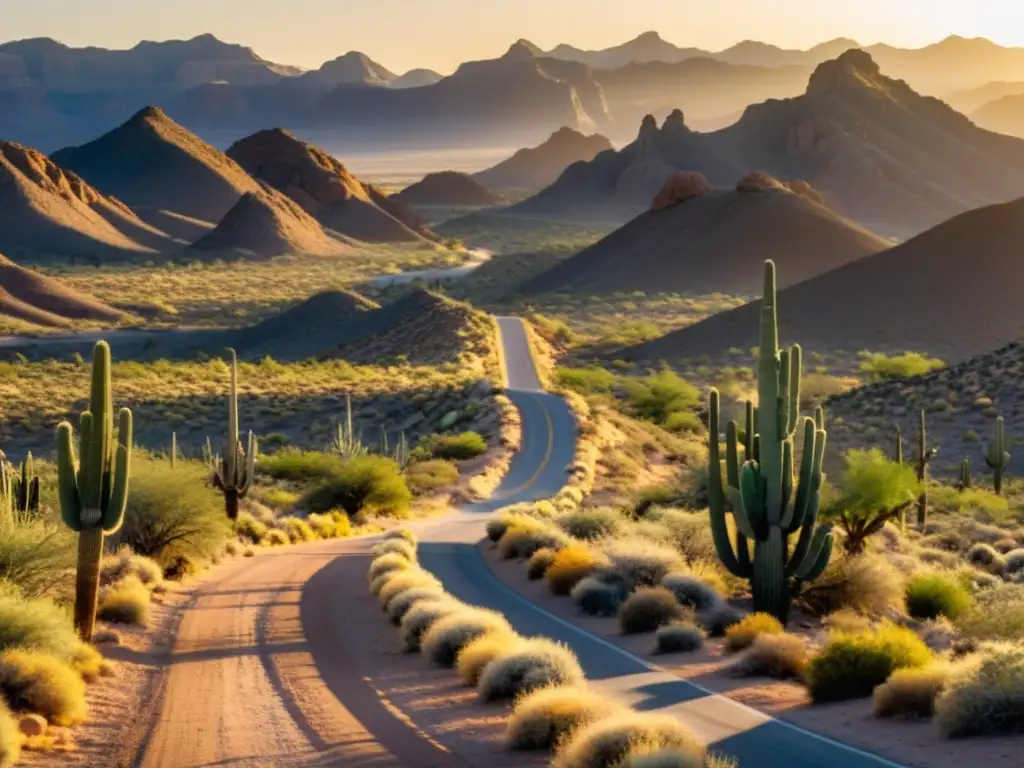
[481, 651]
[742, 634]
[297, 530]
[249, 528]
[401, 533]
[519, 542]
[985, 557]
[300, 466]
[851, 665]
[330, 526]
[450, 634]
[592, 524]
[674, 758]
[987, 698]
[879, 367]
[867, 584]
[679, 637]
[664, 398]
[88, 662]
[647, 609]
[1014, 562]
[364, 484]
[539, 563]
[173, 513]
[126, 602]
[426, 477]
[10, 738]
[35, 624]
[275, 537]
[780, 656]
[467, 445]
[930, 595]
[586, 381]
[691, 591]
[534, 663]
[395, 546]
[997, 614]
[687, 532]
[543, 718]
[400, 604]
[641, 562]
[388, 563]
[36, 555]
[717, 619]
[125, 563]
[37, 682]
[571, 565]
[399, 582]
[421, 616]
[596, 598]
[911, 693]
[609, 742]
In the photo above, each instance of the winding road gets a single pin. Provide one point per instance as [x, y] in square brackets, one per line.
[262, 670]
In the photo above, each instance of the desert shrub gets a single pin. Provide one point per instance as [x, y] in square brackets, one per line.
[742, 634]
[779, 655]
[688, 532]
[647, 609]
[997, 614]
[481, 651]
[387, 563]
[679, 637]
[37, 682]
[330, 526]
[36, 554]
[395, 546]
[571, 565]
[459, 447]
[249, 528]
[400, 604]
[173, 513]
[535, 663]
[126, 602]
[986, 698]
[1014, 562]
[10, 738]
[930, 595]
[675, 758]
[717, 619]
[399, 582]
[419, 618]
[597, 598]
[367, 484]
[586, 381]
[691, 591]
[401, 533]
[299, 466]
[35, 624]
[275, 537]
[297, 529]
[666, 399]
[450, 634]
[985, 556]
[543, 718]
[846, 620]
[592, 524]
[539, 563]
[608, 742]
[497, 527]
[88, 662]
[867, 584]
[878, 367]
[520, 542]
[642, 563]
[426, 477]
[126, 563]
[851, 665]
[911, 693]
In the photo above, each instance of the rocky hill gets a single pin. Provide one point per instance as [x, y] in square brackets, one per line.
[540, 166]
[448, 189]
[42, 300]
[352, 68]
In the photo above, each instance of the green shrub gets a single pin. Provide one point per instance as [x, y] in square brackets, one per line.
[426, 477]
[467, 445]
[930, 595]
[539, 563]
[275, 537]
[592, 524]
[36, 555]
[10, 738]
[691, 591]
[878, 367]
[37, 682]
[664, 398]
[742, 634]
[297, 529]
[586, 381]
[36, 624]
[126, 602]
[679, 637]
[173, 514]
[596, 598]
[419, 618]
[781, 656]
[297, 465]
[481, 651]
[365, 484]
[851, 665]
[450, 634]
[647, 609]
[911, 693]
[249, 528]
[534, 663]
[543, 718]
[675, 758]
[987, 698]
[608, 742]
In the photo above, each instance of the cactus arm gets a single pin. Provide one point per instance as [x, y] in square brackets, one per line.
[820, 553]
[732, 462]
[783, 400]
[807, 531]
[899, 445]
[787, 481]
[113, 514]
[67, 479]
[795, 362]
[716, 492]
[798, 510]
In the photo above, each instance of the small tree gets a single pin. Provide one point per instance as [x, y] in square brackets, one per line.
[872, 491]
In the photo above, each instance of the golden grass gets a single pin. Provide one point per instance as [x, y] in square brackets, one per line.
[543, 718]
[476, 655]
[570, 566]
[36, 682]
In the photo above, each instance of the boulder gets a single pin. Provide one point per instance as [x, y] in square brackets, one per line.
[680, 187]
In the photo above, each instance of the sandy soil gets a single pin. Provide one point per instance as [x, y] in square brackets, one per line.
[910, 743]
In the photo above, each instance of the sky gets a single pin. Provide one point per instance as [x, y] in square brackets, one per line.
[440, 34]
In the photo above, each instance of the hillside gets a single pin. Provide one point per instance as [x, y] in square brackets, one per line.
[46, 211]
[714, 242]
[950, 292]
[447, 188]
[320, 184]
[972, 99]
[541, 165]
[1004, 115]
[42, 300]
[155, 165]
[352, 68]
[265, 224]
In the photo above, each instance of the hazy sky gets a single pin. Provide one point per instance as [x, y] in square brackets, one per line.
[439, 34]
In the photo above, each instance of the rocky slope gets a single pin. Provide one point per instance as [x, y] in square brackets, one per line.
[541, 165]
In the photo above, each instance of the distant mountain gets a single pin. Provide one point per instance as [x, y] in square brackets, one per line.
[707, 241]
[352, 68]
[541, 165]
[972, 99]
[755, 54]
[1005, 115]
[416, 78]
[647, 47]
[447, 188]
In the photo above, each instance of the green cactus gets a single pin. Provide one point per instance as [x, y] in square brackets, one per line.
[384, 447]
[965, 475]
[898, 458]
[26, 487]
[924, 458]
[761, 487]
[232, 473]
[347, 444]
[93, 490]
[998, 457]
[402, 452]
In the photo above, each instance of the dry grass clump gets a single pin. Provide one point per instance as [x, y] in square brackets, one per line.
[126, 563]
[401, 533]
[986, 557]
[851, 664]
[497, 527]
[607, 743]
[674, 758]
[911, 693]
[333, 525]
[692, 591]
[592, 524]
[997, 614]
[717, 619]
[930, 595]
[297, 529]
[782, 656]
[543, 718]
[986, 698]
[535, 663]
[420, 617]
[400, 604]
[679, 637]
[413, 577]
[450, 634]
[126, 602]
[867, 584]
[641, 562]
[520, 542]
[846, 620]
[40, 683]
[387, 563]
[249, 528]
[480, 652]
[647, 609]
[539, 563]
[88, 662]
[598, 598]
[1014, 562]
[570, 566]
[275, 537]
[742, 634]
[10, 738]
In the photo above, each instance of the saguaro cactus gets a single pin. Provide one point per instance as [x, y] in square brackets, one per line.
[965, 475]
[761, 487]
[898, 458]
[26, 487]
[94, 490]
[347, 443]
[998, 457]
[232, 473]
[924, 458]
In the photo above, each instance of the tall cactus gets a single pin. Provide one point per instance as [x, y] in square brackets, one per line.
[26, 487]
[924, 458]
[998, 457]
[232, 472]
[898, 458]
[93, 490]
[401, 457]
[347, 443]
[761, 487]
[965, 475]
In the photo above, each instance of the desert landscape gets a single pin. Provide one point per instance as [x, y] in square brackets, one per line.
[591, 404]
